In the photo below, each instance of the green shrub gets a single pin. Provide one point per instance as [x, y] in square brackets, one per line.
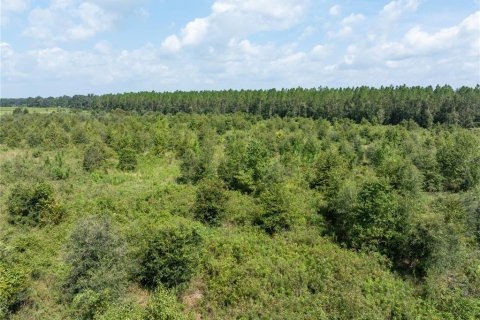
[57, 168]
[164, 306]
[277, 212]
[170, 257]
[94, 157]
[13, 289]
[34, 205]
[127, 159]
[98, 268]
[367, 217]
[210, 201]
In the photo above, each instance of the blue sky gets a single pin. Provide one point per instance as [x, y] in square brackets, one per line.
[57, 47]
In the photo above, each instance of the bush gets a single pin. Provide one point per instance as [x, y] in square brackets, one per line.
[57, 168]
[210, 201]
[94, 157]
[127, 160]
[367, 217]
[170, 257]
[277, 212]
[34, 205]
[164, 306]
[19, 111]
[13, 289]
[98, 269]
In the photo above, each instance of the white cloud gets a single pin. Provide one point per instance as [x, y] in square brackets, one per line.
[334, 10]
[67, 20]
[237, 19]
[70, 20]
[395, 9]
[9, 7]
[353, 18]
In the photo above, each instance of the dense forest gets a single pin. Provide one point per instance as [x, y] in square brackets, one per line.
[386, 105]
[295, 204]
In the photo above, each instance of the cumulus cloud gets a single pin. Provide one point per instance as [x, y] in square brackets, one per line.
[9, 7]
[334, 10]
[70, 20]
[238, 19]
[395, 9]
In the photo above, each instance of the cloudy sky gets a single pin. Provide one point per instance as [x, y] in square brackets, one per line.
[56, 47]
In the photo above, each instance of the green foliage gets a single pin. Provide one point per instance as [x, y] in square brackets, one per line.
[459, 160]
[97, 266]
[329, 170]
[367, 216]
[13, 289]
[292, 198]
[209, 206]
[170, 257]
[20, 111]
[57, 168]
[127, 159]
[95, 157]
[34, 205]
[164, 306]
[277, 213]
[244, 165]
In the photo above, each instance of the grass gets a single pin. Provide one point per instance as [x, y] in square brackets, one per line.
[9, 110]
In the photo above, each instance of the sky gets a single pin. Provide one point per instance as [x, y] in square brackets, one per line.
[67, 47]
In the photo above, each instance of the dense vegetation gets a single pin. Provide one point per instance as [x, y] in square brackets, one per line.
[386, 105]
[122, 215]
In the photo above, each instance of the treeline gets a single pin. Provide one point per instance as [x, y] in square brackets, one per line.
[386, 105]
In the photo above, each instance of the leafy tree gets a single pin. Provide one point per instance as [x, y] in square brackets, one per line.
[94, 157]
[210, 201]
[13, 289]
[164, 306]
[368, 217]
[278, 214]
[34, 205]
[170, 257]
[97, 266]
[127, 160]
[459, 161]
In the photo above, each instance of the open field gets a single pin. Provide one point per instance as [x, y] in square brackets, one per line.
[9, 110]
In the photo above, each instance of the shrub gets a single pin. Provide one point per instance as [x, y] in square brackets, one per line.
[34, 205]
[57, 168]
[19, 111]
[98, 269]
[127, 160]
[459, 160]
[170, 257]
[367, 217]
[164, 306]
[277, 212]
[94, 157]
[210, 201]
[13, 289]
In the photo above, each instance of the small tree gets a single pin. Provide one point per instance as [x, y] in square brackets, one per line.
[96, 256]
[127, 160]
[170, 257]
[34, 205]
[94, 157]
[210, 201]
